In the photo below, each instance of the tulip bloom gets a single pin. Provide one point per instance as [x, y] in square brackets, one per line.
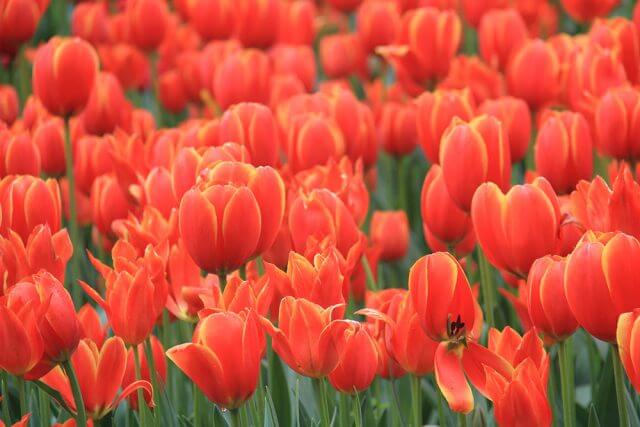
[586, 10]
[359, 359]
[479, 150]
[232, 216]
[107, 108]
[147, 22]
[617, 122]
[390, 230]
[243, 76]
[91, 326]
[100, 372]
[342, 55]
[8, 104]
[626, 335]
[64, 70]
[313, 140]
[546, 300]
[563, 150]
[224, 357]
[449, 314]
[516, 120]
[621, 36]
[377, 23]
[307, 336]
[597, 276]
[49, 138]
[212, 19]
[435, 112]
[517, 228]
[18, 23]
[253, 126]
[500, 33]
[533, 73]
[297, 22]
[27, 202]
[108, 203]
[90, 21]
[443, 221]
[256, 22]
[471, 72]
[20, 155]
[397, 127]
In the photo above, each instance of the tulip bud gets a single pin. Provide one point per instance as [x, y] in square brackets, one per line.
[479, 151]
[435, 111]
[358, 364]
[397, 128]
[108, 203]
[546, 301]
[18, 23]
[377, 23]
[49, 138]
[342, 55]
[107, 107]
[64, 71]
[515, 117]
[533, 73]
[621, 36]
[8, 104]
[313, 140]
[626, 336]
[586, 10]
[91, 326]
[297, 22]
[147, 22]
[171, 91]
[21, 155]
[390, 230]
[127, 63]
[90, 21]
[242, 77]
[212, 19]
[501, 32]
[517, 228]
[256, 22]
[564, 151]
[471, 72]
[253, 126]
[597, 276]
[617, 122]
[442, 219]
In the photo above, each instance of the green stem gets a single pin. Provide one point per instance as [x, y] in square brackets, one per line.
[566, 382]
[22, 394]
[45, 408]
[142, 405]
[321, 397]
[620, 387]
[81, 416]
[357, 415]
[343, 409]
[74, 232]
[197, 406]
[488, 287]
[416, 401]
[154, 377]
[6, 416]
[441, 416]
[371, 281]
[402, 182]
[463, 420]
[236, 419]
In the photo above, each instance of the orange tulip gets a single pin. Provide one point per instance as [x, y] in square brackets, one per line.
[342, 55]
[517, 228]
[212, 19]
[297, 60]
[377, 23]
[307, 337]
[471, 72]
[108, 204]
[500, 33]
[171, 91]
[64, 71]
[20, 154]
[355, 120]
[617, 123]
[621, 36]
[435, 112]
[92, 158]
[313, 140]
[49, 138]
[479, 150]
[43, 251]
[18, 23]
[390, 230]
[533, 73]
[147, 22]
[596, 276]
[224, 357]
[242, 77]
[100, 373]
[586, 10]
[90, 21]
[546, 301]
[210, 215]
[27, 202]
[160, 362]
[8, 104]
[24, 421]
[443, 221]
[256, 22]
[297, 22]
[563, 150]
[91, 326]
[626, 336]
[253, 126]
[397, 127]
[516, 119]
[107, 108]
[358, 363]
[127, 63]
[158, 191]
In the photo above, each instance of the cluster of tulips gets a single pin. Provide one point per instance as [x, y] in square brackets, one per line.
[295, 212]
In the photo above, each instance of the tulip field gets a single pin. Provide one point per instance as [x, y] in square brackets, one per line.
[323, 213]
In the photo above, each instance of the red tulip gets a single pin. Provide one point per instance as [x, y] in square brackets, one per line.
[49, 138]
[20, 153]
[232, 216]
[148, 21]
[597, 276]
[297, 22]
[100, 372]
[586, 10]
[108, 203]
[517, 228]
[516, 119]
[313, 140]
[397, 127]
[617, 123]
[8, 104]
[90, 21]
[479, 150]
[212, 19]
[626, 337]
[64, 71]
[307, 337]
[390, 230]
[500, 33]
[621, 36]
[296, 60]
[18, 23]
[358, 363]
[563, 150]
[91, 326]
[224, 357]
[342, 55]
[377, 23]
[171, 91]
[107, 107]
[242, 77]
[471, 72]
[256, 22]
[435, 112]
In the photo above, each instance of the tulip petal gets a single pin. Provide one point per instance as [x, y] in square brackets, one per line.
[451, 380]
[202, 366]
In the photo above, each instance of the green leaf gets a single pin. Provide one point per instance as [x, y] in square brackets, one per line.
[593, 417]
[270, 414]
[279, 390]
[605, 398]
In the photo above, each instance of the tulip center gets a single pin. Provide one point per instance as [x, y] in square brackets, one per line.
[456, 330]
